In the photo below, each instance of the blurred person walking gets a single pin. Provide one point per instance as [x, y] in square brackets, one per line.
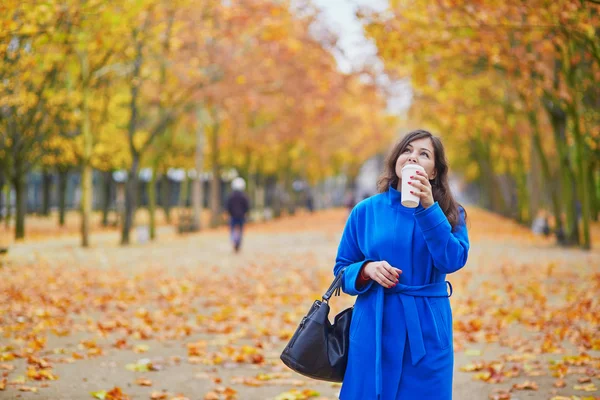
[238, 206]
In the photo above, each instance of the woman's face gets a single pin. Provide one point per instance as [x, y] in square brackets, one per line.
[419, 151]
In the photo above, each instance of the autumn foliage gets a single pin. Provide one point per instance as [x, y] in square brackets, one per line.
[513, 88]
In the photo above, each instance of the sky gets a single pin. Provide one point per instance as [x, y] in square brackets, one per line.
[339, 16]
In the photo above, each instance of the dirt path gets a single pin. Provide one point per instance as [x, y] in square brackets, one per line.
[163, 303]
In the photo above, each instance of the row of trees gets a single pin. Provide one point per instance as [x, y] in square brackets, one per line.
[209, 84]
[515, 88]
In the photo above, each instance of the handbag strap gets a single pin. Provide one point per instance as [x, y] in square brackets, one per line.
[335, 287]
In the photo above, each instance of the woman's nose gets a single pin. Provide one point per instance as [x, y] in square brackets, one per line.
[412, 158]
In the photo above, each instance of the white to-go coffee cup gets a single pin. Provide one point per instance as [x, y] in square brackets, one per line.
[408, 199]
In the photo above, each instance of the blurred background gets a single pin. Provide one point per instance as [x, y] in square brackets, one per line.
[131, 114]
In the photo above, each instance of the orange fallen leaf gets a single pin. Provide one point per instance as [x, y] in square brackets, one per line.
[143, 382]
[211, 396]
[527, 385]
[114, 394]
[559, 383]
[473, 367]
[159, 395]
[28, 389]
[500, 394]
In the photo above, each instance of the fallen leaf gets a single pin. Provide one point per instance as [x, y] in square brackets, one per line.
[473, 352]
[559, 383]
[527, 385]
[141, 348]
[590, 387]
[28, 389]
[500, 394]
[143, 382]
[101, 394]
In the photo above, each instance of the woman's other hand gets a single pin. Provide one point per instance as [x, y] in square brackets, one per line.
[383, 273]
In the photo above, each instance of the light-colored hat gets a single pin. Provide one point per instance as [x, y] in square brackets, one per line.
[238, 184]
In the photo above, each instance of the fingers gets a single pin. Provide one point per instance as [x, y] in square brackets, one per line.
[384, 280]
[420, 174]
[392, 272]
[386, 275]
[420, 181]
[421, 185]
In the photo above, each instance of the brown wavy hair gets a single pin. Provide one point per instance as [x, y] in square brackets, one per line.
[439, 185]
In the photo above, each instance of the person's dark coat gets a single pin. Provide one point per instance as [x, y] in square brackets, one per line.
[238, 204]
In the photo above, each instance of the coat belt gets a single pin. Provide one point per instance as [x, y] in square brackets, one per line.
[413, 325]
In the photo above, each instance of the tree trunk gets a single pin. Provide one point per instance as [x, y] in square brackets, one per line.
[106, 183]
[2, 180]
[46, 192]
[198, 187]
[215, 188]
[130, 197]
[567, 177]
[523, 216]
[183, 193]
[582, 179]
[259, 195]
[488, 179]
[165, 194]
[88, 143]
[549, 181]
[152, 203]
[8, 199]
[63, 176]
[86, 203]
[581, 158]
[20, 185]
[277, 191]
[595, 187]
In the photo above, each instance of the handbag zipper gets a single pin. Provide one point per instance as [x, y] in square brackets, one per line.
[293, 340]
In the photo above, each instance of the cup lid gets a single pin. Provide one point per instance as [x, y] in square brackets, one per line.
[413, 166]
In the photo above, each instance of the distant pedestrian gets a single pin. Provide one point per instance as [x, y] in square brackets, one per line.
[310, 202]
[540, 224]
[238, 206]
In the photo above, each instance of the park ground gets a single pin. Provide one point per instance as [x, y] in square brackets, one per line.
[185, 318]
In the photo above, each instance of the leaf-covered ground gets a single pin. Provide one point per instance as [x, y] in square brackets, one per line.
[185, 318]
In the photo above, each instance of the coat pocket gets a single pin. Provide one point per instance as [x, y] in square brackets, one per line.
[440, 308]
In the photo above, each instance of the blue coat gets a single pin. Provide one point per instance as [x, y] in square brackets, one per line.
[401, 338]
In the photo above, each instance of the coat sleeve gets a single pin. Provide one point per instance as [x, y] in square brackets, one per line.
[448, 248]
[350, 256]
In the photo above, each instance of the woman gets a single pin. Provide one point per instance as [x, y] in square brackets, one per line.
[396, 260]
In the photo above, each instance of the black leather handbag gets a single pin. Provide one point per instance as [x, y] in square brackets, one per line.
[319, 349]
